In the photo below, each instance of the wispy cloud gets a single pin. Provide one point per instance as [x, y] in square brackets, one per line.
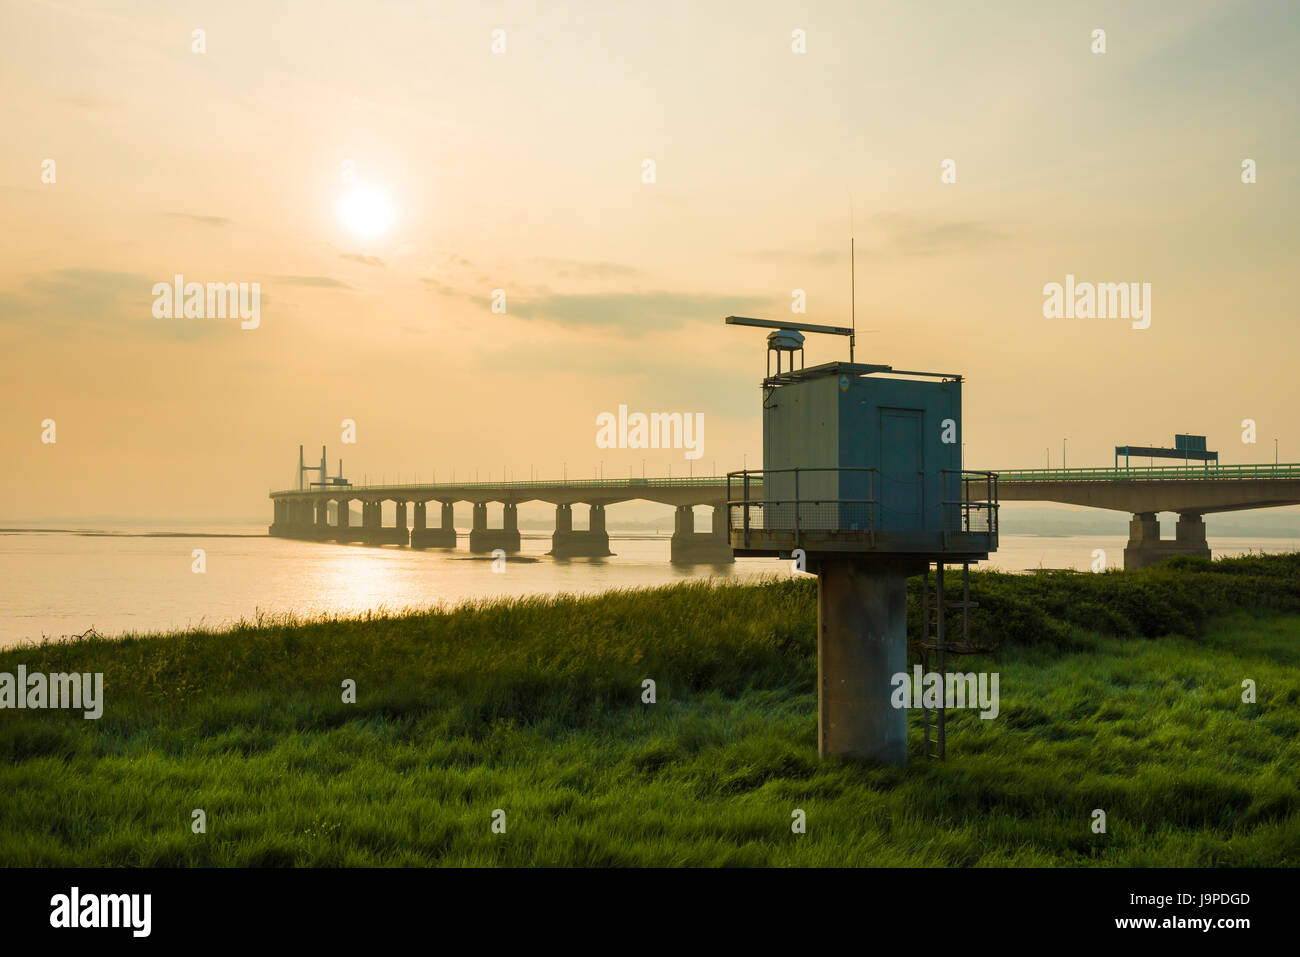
[907, 234]
[321, 282]
[363, 259]
[580, 269]
[800, 257]
[205, 220]
[93, 300]
[629, 311]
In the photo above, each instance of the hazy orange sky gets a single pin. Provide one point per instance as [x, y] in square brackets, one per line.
[522, 170]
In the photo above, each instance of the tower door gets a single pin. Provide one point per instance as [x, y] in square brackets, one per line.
[899, 486]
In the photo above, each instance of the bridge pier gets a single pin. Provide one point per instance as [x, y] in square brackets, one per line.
[297, 519]
[343, 530]
[690, 547]
[443, 536]
[593, 542]
[1145, 547]
[484, 539]
[373, 531]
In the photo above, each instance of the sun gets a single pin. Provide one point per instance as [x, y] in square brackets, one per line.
[366, 210]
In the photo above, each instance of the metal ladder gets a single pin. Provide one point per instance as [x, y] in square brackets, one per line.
[935, 646]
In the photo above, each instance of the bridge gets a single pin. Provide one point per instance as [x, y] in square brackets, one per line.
[304, 513]
[1192, 491]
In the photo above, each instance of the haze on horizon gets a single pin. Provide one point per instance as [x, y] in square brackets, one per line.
[523, 171]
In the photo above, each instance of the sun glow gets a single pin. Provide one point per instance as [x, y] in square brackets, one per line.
[366, 210]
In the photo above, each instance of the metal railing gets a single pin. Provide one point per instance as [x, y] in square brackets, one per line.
[1196, 473]
[798, 514]
[707, 481]
[1156, 473]
[972, 514]
[785, 506]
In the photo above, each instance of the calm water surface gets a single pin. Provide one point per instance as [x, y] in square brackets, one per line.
[58, 584]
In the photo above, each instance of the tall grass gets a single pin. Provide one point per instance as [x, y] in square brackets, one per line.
[1120, 691]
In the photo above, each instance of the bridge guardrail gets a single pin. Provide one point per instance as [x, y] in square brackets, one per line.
[708, 481]
[1193, 473]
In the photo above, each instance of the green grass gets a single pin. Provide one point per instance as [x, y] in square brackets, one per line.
[1119, 691]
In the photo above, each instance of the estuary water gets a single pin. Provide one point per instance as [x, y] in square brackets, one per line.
[119, 580]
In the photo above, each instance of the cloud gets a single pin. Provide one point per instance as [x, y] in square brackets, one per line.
[630, 311]
[205, 220]
[95, 300]
[321, 282]
[907, 234]
[86, 102]
[442, 288]
[364, 260]
[894, 234]
[820, 257]
[578, 269]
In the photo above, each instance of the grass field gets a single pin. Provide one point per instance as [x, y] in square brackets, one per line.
[1120, 691]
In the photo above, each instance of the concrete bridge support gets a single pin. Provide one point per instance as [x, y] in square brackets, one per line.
[373, 531]
[278, 524]
[444, 536]
[484, 539]
[1145, 547]
[691, 547]
[861, 645]
[593, 542]
[296, 520]
[343, 528]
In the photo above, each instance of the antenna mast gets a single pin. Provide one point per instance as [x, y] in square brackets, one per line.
[853, 296]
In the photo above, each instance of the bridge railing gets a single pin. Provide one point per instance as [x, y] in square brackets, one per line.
[1157, 473]
[704, 481]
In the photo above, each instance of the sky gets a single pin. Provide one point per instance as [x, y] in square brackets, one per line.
[379, 170]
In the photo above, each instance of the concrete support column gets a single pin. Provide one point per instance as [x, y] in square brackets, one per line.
[344, 507]
[1144, 528]
[1145, 547]
[401, 517]
[1190, 531]
[591, 542]
[683, 520]
[322, 514]
[442, 537]
[691, 547]
[861, 645]
[484, 539]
